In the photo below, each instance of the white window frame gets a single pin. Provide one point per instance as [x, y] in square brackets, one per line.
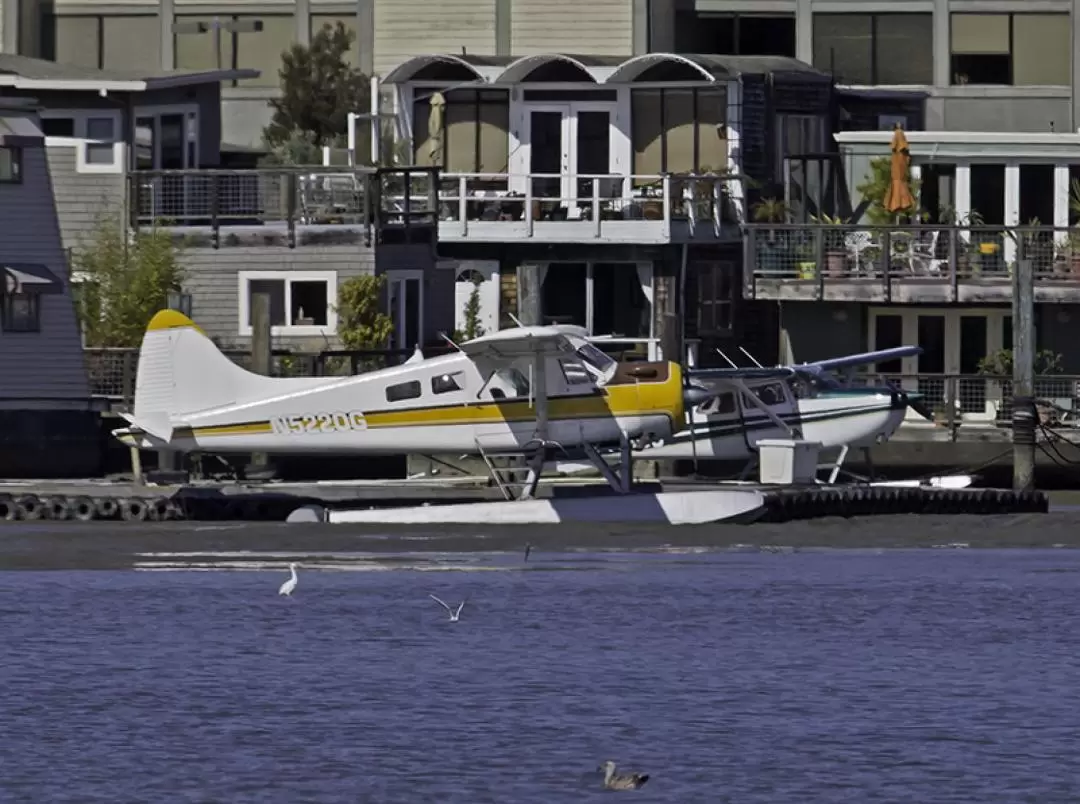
[329, 277]
[79, 140]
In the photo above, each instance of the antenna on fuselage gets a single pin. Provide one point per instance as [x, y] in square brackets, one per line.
[446, 338]
[752, 358]
[728, 359]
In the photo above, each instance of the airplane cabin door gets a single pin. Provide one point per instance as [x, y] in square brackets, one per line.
[757, 424]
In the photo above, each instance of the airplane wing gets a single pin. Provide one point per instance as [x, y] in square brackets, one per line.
[752, 373]
[506, 345]
[863, 358]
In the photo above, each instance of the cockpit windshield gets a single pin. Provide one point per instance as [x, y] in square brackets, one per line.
[592, 356]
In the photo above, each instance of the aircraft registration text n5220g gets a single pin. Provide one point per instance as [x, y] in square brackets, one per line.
[318, 423]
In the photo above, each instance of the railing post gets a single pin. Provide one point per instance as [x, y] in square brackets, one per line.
[528, 206]
[290, 206]
[954, 275]
[127, 377]
[215, 210]
[750, 263]
[463, 203]
[596, 205]
[665, 203]
[819, 259]
[886, 259]
[369, 185]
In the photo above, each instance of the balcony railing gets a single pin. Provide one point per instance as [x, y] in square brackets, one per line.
[557, 207]
[112, 372]
[907, 263]
[283, 206]
[979, 401]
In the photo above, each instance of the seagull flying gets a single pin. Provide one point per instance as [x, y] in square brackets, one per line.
[454, 615]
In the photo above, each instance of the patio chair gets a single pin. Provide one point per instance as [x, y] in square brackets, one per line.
[856, 243]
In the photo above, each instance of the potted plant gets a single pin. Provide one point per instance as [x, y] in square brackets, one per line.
[834, 247]
[999, 365]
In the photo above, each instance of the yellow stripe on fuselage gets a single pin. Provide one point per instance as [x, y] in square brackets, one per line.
[632, 400]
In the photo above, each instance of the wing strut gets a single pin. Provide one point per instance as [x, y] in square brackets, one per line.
[538, 391]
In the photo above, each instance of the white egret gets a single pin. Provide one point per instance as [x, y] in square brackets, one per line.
[454, 615]
[287, 587]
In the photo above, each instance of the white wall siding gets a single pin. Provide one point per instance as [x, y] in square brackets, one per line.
[595, 27]
[406, 28]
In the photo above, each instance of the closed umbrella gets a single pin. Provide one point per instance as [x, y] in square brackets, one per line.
[435, 127]
[898, 197]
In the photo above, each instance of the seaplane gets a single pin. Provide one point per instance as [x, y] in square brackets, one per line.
[530, 391]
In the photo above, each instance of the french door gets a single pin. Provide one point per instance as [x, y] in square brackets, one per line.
[953, 343]
[568, 145]
[406, 292]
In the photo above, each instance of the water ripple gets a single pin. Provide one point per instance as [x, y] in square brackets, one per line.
[746, 677]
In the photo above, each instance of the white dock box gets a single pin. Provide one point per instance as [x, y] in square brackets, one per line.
[783, 461]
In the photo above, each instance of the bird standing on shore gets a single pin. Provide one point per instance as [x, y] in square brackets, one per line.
[454, 615]
[622, 781]
[287, 587]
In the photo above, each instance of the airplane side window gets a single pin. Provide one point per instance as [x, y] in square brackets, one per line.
[403, 391]
[446, 383]
[511, 382]
[719, 405]
[772, 394]
[574, 372]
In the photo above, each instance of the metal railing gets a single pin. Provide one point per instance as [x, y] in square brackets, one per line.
[830, 254]
[980, 400]
[112, 372]
[697, 200]
[281, 200]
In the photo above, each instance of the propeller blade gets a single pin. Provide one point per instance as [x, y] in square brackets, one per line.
[694, 395]
[920, 407]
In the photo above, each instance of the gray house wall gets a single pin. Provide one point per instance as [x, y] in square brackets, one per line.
[47, 365]
[47, 425]
[82, 198]
[212, 279]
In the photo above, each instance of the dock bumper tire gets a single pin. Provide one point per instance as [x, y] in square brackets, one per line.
[134, 509]
[161, 509]
[8, 510]
[83, 509]
[57, 508]
[107, 507]
[29, 508]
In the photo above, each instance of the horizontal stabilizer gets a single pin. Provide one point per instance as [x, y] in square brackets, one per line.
[155, 424]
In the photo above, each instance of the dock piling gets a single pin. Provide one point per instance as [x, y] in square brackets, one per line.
[1023, 346]
[261, 355]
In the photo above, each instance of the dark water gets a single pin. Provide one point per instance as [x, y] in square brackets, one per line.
[828, 676]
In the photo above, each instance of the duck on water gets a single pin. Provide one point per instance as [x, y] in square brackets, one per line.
[621, 781]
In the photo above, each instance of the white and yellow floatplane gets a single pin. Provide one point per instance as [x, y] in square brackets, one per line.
[533, 392]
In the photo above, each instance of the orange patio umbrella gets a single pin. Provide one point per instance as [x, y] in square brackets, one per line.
[898, 197]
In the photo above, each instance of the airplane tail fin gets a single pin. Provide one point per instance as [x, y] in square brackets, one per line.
[181, 371]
